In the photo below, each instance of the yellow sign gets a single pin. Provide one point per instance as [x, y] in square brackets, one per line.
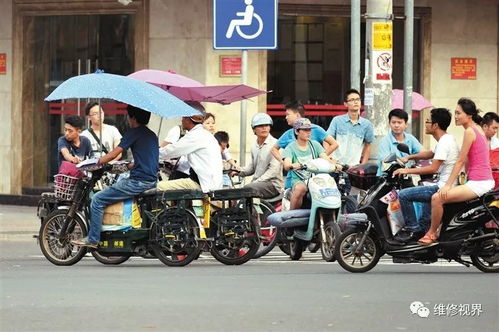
[382, 36]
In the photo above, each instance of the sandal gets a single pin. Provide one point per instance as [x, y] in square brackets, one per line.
[428, 239]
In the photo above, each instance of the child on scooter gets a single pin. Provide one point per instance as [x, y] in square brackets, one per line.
[300, 152]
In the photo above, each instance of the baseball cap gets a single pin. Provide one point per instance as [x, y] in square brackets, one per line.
[302, 123]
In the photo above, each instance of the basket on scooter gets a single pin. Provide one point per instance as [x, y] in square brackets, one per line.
[363, 176]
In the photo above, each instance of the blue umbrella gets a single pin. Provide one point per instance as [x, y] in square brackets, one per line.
[123, 89]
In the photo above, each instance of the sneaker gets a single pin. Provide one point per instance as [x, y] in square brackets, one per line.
[84, 242]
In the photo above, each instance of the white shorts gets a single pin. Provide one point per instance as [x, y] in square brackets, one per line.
[480, 187]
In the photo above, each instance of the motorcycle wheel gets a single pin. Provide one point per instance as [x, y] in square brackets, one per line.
[296, 249]
[327, 245]
[168, 252]
[110, 260]
[268, 233]
[357, 262]
[61, 251]
[284, 248]
[487, 258]
[313, 247]
[234, 255]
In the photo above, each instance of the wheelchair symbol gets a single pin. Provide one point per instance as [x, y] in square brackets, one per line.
[247, 20]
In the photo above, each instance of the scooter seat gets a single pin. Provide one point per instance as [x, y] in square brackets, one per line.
[228, 194]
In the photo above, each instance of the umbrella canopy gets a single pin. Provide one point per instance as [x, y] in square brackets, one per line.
[190, 90]
[164, 79]
[418, 101]
[125, 90]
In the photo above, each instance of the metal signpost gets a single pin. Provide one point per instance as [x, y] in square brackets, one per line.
[244, 25]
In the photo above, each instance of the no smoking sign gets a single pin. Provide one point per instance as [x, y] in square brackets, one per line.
[382, 67]
[384, 61]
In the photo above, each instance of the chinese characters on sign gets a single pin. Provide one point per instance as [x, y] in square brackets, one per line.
[463, 68]
[382, 52]
[3, 63]
[230, 65]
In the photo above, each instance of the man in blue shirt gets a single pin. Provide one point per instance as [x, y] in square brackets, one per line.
[353, 133]
[143, 172]
[73, 146]
[397, 119]
[295, 111]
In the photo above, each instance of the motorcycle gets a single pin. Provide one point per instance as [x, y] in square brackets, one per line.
[169, 230]
[463, 231]
[317, 224]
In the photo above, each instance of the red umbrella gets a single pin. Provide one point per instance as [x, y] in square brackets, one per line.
[190, 90]
[418, 101]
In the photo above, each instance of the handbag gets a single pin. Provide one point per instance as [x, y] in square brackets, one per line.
[68, 168]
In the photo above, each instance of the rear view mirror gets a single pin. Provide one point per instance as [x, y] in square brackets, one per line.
[403, 147]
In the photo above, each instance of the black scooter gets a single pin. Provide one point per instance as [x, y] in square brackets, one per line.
[463, 231]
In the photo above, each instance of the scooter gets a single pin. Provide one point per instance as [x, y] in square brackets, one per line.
[463, 231]
[317, 224]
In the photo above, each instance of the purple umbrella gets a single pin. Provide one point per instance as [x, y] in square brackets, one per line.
[418, 101]
[188, 89]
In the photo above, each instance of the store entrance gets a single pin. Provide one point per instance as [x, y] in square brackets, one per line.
[57, 48]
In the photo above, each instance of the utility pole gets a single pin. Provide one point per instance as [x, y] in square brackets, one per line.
[378, 80]
[355, 45]
[408, 58]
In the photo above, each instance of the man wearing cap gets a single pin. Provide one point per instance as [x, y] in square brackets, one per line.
[266, 170]
[202, 152]
[299, 152]
[294, 111]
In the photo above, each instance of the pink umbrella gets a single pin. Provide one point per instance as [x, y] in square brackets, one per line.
[164, 79]
[418, 101]
[187, 89]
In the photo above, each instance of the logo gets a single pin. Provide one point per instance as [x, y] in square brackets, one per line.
[418, 308]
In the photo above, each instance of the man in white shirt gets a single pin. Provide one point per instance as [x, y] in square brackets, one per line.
[181, 165]
[100, 132]
[445, 155]
[202, 152]
[266, 170]
[490, 125]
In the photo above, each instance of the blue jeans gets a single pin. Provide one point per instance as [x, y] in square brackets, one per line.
[122, 190]
[421, 194]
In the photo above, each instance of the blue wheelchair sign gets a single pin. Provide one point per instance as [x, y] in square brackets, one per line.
[244, 24]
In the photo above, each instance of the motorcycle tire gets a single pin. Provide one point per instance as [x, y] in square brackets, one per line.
[487, 258]
[179, 256]
[352, 261]
[296, 249]
[327, 245]
[284, 248]
[110, 260]
[61, 252]
[238, 256]
[313, 247]
[268, 233]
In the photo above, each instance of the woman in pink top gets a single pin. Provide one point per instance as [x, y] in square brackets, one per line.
[474, 155]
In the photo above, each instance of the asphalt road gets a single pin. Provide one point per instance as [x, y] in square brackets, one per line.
[268, 294]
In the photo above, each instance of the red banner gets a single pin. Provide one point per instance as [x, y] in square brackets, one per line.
[3, 63]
